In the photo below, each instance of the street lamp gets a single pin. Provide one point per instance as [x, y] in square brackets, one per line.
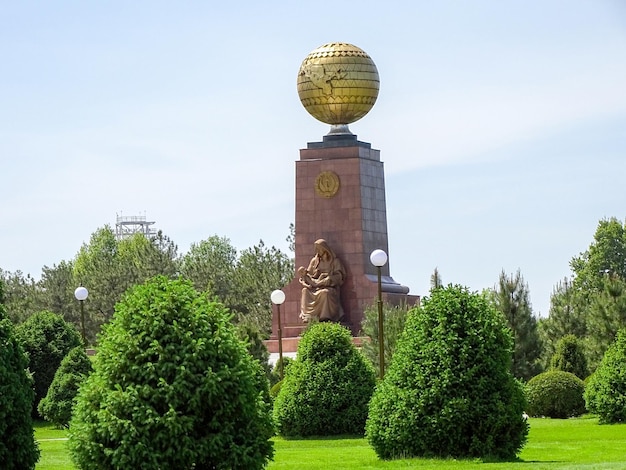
[278, 297]
[379, 259]
[81, 294]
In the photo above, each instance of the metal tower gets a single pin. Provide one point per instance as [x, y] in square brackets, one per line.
[127, 226]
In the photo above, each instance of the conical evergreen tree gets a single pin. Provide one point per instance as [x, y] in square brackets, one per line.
[18, 449]
[605, 391]
[570, 357]
[606, 315]
[566, 317]
[511, 298]
[449, 391]
[172, 387]
[435, 280]
[327, 389]
[56, 407]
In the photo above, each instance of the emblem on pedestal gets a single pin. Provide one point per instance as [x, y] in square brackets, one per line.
[327, 184]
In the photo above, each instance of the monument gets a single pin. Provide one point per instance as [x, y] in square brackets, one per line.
[340, 207]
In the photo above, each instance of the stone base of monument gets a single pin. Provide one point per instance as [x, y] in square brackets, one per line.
[290, 345]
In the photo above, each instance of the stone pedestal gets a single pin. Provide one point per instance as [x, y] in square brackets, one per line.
[340, 197]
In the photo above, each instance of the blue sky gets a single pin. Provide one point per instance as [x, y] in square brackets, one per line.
[502, 126]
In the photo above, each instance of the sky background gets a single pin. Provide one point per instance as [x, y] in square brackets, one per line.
[502, 126]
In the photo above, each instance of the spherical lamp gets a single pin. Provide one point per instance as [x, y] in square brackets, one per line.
[278, 297]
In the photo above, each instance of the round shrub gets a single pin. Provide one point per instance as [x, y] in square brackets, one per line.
[18, 449]
[605, 394]
[328, 386]
[449, 391]
[56, 406]
[47, 338]
[172, 387]
[555, 394]
[570, 357]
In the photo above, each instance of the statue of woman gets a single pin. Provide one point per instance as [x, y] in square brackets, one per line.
[322, 281]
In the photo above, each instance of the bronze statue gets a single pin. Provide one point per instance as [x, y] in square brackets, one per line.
[322, 281]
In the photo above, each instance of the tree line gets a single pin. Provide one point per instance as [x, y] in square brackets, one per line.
[588, 307]
[108, 267]
[586, 312]
[590, 304]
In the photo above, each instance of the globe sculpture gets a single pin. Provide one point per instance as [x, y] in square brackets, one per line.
[338, 84]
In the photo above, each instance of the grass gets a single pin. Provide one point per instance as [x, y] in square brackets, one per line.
[552, 444]
[53, 447]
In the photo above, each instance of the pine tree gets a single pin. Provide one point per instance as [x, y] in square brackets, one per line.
[566, 317]
[511, 297]
[435, 280]
[570, 357]
[606, 316]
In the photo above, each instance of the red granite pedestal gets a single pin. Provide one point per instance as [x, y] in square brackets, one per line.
[340, 197]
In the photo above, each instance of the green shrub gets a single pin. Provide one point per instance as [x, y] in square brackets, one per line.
[47, 338]
[172, 387]
[605, 394]
[570, 357]
[275, 374]
[56, 406]
[275, 390]
[18, 449]
[449, 391]
[327, 388]
[394, 318]
[555, 394]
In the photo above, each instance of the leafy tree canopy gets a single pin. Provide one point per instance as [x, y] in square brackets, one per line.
[605, 255]
[108, 267]
[46, 338]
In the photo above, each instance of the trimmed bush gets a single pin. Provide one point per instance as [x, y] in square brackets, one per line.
[172, 387]
[605, 394]
[56, 407]
[555, 394]
[570, 357]
[18, 449]
[328, 386]
[47, 338]
[449, 391]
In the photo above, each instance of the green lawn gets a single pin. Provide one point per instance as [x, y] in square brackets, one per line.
[552, 444]
[53, 447]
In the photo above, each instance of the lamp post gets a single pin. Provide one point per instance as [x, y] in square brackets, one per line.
[81, 294]
[379, 259]
[278, 297]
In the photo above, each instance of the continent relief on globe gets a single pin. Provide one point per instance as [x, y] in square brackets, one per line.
[338, 83]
